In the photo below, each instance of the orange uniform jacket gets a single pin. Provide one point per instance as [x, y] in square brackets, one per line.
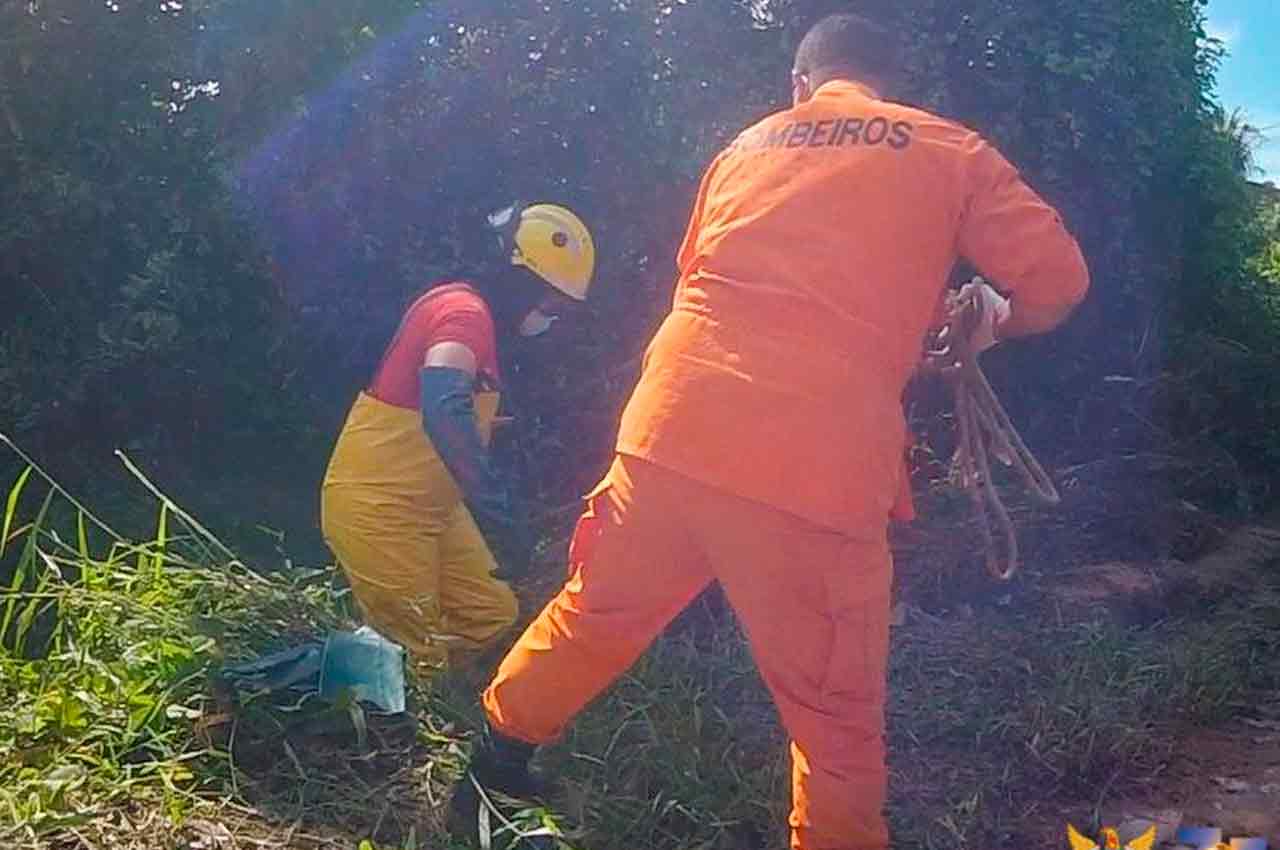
[815, 259]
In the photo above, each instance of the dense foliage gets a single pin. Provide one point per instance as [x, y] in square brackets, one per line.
[215, 210]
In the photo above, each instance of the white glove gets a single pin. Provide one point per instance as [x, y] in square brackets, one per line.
[993, 308]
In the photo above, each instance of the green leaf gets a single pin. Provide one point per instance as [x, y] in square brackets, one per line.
[11, 506]
[141, 714]
[162, 539]
[82, 548]
[25, 563]
[71, 716]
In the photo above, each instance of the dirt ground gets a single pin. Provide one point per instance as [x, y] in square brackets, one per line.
[1227, 778]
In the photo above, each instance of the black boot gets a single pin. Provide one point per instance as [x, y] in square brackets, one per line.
[499, 766]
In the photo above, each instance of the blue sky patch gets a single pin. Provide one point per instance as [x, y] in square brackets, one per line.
[1250, 75]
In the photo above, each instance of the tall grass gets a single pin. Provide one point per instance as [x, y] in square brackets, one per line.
[998, 722]
[106, 646]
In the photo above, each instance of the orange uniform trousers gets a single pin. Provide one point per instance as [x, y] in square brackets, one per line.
[813, 602]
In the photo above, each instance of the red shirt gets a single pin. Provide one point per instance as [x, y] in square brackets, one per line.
[452, 312]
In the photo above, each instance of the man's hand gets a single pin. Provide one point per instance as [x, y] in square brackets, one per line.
[991, 311]
[511, 538]
[513, 548]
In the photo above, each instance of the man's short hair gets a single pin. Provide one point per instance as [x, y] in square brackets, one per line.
[847, 45]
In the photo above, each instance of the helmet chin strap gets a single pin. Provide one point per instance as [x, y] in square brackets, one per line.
[536, 323]
[505, 222]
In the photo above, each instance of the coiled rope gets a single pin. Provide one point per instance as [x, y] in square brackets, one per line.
[984, 431]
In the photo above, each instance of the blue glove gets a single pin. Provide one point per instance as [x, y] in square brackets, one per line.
[449, 418]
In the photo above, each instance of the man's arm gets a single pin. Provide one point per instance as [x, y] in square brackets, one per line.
[447, 382]
[689, 245]
[451, 355]
[449, 418]
[1020, 243]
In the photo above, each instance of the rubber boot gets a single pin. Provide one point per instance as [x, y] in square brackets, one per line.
[499, 765]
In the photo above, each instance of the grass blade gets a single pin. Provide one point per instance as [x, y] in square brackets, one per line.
[11, 505]
[82, 549]
[38, 601]
[4, 438]
[192, 523]
[25, 562]
[162, 539]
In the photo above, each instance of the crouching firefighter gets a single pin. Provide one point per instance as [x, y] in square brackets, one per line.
[411, 504]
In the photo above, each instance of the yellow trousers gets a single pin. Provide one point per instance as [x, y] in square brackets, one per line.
[420, 571]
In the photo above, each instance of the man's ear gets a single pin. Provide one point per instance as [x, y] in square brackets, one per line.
[796, 83]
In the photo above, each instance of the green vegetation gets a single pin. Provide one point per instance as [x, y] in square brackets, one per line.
[110, 647]
[107, 646]
[169, 286]
[188, 261]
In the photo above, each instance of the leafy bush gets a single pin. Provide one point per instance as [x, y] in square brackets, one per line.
[230, 203]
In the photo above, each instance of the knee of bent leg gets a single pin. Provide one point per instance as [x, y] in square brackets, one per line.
[499, 615]
[508, 609]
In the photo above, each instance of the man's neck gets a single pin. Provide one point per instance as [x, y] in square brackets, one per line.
[867, 87]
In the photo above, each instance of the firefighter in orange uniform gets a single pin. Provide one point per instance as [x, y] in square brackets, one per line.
[762, 447]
